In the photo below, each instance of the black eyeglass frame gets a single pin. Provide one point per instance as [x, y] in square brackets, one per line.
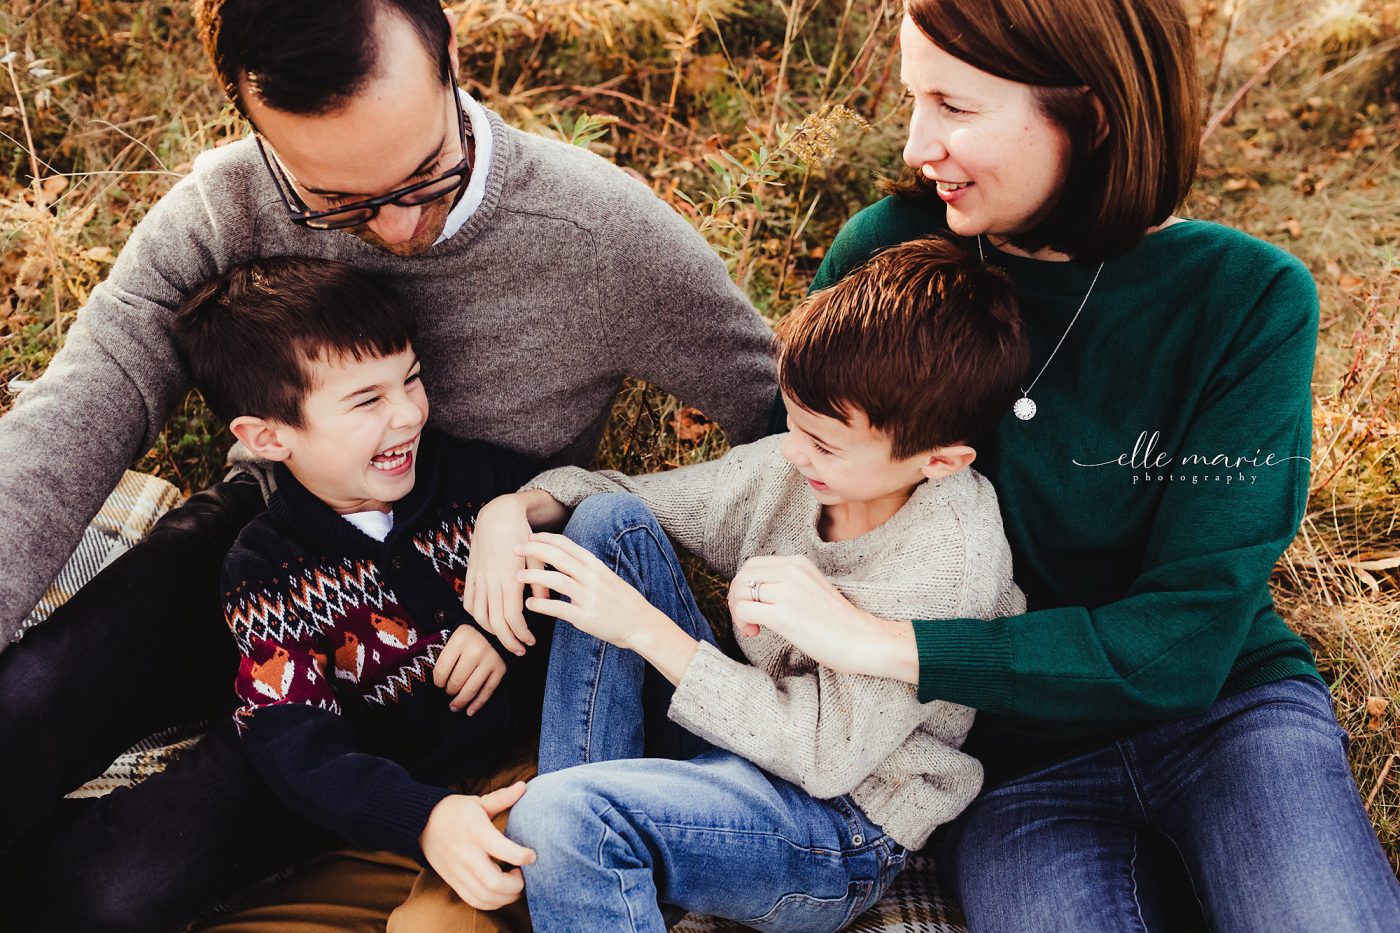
[304, 216]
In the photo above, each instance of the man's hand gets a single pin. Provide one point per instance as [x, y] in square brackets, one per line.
[469, 668]
[460, 844]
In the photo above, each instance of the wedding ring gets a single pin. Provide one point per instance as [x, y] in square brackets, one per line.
[755, 588]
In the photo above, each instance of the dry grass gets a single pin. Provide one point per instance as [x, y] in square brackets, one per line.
[765, 123]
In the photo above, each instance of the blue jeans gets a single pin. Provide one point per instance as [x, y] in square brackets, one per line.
[618, 835]
[1243, 818]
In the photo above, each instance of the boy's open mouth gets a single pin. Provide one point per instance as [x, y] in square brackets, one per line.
[395, 458]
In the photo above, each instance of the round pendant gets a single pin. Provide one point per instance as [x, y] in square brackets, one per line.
[1024, 408]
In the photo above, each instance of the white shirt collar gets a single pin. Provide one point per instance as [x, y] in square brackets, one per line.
[481, 166]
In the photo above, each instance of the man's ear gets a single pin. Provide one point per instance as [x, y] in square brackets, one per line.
[945, 461]
[262, 438]
[452, 43]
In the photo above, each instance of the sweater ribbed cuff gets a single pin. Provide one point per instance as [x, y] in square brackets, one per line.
[399, 810]
[965, 661]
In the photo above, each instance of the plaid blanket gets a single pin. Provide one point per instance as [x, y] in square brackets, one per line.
[912, 905]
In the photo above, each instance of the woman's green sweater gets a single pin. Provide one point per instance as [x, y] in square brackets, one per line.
[1148, 499]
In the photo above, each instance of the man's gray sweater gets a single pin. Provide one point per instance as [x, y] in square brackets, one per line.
[569, 276]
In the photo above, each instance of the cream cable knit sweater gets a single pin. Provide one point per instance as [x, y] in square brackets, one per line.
[943, 555]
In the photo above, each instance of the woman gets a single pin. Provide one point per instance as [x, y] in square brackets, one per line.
[1160, 749]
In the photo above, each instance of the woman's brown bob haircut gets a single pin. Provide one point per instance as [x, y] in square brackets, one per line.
[924, 339]
[1137, 59]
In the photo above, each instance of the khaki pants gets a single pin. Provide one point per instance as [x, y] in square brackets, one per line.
[351, 891]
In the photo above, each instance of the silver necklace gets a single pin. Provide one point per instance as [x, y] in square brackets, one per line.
[1025, 407]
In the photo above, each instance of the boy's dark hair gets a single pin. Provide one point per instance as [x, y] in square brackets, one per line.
[249, 336]
[924, 339]
[309, 56]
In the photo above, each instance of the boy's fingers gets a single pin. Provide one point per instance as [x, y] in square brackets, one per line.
[554, 607]
[503, 849]
[497, 881]
[520, 628]
[502, 798]
[470, 889]
[492, 682]
[537, 589]
[565, 555]
[514, 604]
[442, 667]
[478, 607]
[499, 628]
[550, 580]
[567, 545]
[472, 686]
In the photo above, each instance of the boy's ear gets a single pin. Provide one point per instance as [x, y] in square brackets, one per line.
[261, 437]
[945, 461]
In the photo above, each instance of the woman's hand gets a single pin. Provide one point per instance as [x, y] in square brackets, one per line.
[492, 593]
[798, 603]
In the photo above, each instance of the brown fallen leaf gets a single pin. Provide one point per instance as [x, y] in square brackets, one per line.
[1292, 226]
[1364, 138]
[1375, 709]
[691, 425]
[54, 185]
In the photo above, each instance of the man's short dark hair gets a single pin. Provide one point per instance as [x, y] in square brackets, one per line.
[924, 339]
[249, 337]
[309, 56]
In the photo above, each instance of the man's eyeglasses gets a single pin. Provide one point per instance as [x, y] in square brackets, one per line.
[361, 212]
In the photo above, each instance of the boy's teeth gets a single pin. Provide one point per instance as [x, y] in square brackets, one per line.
[952, 185]
[393, 458]
[392, 463]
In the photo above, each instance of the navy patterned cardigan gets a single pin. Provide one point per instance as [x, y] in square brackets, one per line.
[339, 633]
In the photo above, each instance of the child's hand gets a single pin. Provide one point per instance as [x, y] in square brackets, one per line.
[600, 602]
[460, 843]
[469, 668]
[492, 593]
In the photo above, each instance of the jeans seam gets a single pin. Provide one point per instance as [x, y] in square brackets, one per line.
[1132, 876]
[593, 701]
[1131, 775]
[616, 875]
[678, 584]
[1189, 877]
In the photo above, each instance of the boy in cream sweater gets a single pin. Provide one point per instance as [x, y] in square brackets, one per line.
[778, 793]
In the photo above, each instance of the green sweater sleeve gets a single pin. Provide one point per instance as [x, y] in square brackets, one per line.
[1167, 646]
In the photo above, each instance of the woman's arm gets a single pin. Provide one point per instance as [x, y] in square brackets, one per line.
[1167, 646]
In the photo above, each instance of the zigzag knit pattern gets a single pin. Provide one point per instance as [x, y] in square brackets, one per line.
[448, 546]
[332, 633]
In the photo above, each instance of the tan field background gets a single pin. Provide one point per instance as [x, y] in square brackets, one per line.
[766, 124]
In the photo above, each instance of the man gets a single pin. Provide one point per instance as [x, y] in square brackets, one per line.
[542, 275]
